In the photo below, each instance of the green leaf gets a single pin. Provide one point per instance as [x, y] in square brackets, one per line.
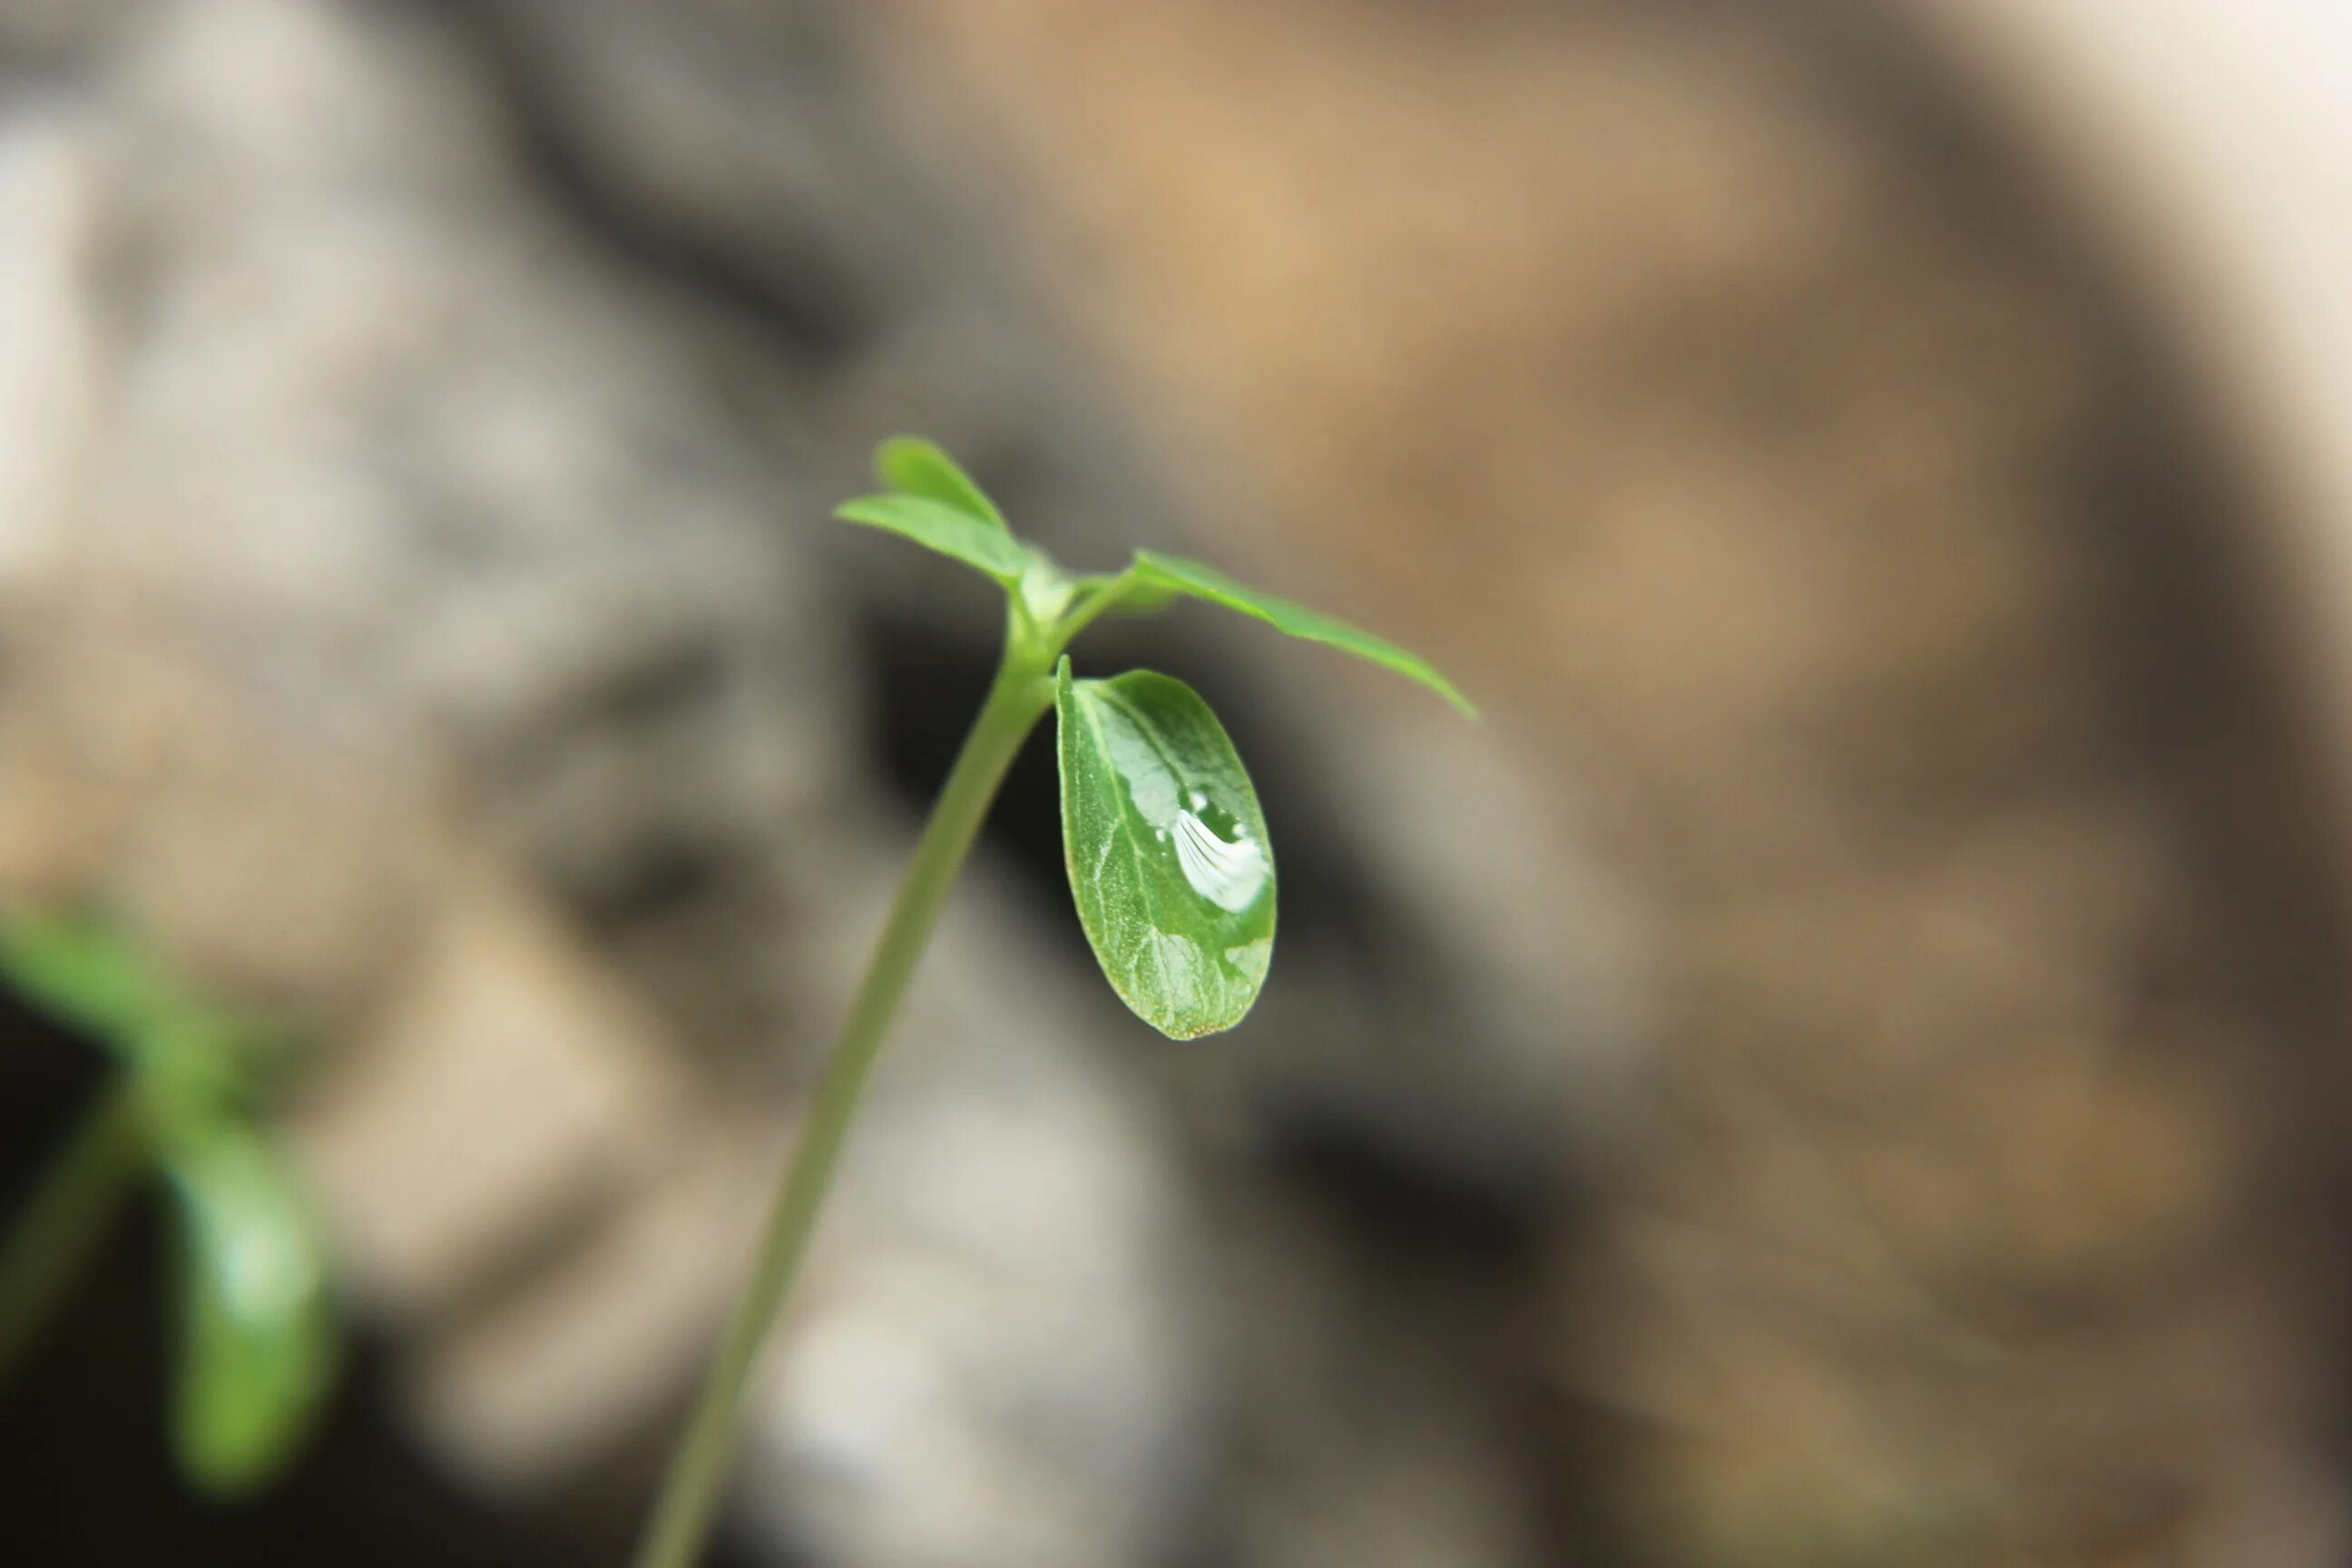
[1176, 575]
[257, 1345]
[974, 540]
[1167, 850]
[1144, 599]
[920, 468]
[94, 975]
[84, 972]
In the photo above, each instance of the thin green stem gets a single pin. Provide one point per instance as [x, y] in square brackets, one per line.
[699, 1470]
[1084, 613]
[59, 1228]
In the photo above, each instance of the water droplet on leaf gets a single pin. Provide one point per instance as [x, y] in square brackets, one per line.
[1166, 849]
[1230, 876]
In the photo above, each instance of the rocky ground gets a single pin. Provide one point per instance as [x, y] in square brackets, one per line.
[1833, 1070]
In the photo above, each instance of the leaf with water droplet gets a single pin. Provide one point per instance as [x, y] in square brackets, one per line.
[915, 467]
[1174, 574]
[257, 1343]
[1167, 850]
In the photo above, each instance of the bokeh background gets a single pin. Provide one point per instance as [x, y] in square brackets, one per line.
[1847, 1065]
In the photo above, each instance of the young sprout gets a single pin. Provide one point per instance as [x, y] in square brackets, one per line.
[1170, 867]
[258, 1345]
[1169, 858]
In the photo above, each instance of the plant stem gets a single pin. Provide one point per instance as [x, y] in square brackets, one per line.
[66, 1217]
[699, 1467]
[1084, 613]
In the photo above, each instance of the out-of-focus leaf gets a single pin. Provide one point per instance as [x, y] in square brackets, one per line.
[83, 971]
[98, 977]
[257, 1339]
[1167, 850]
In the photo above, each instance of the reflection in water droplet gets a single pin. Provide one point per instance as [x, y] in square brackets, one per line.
[1229, 875]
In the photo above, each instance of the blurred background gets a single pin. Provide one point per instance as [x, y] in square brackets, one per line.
[1845, 1065]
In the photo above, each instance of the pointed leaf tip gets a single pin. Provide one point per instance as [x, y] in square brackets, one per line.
[1212, 586]
[916, 467]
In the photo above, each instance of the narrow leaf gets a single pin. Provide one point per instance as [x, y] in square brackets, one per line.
[83, 972]
[257, 1345]
[1190, 577]
[974, 540]
[1167, 850]
[95, 976]
[920, 468]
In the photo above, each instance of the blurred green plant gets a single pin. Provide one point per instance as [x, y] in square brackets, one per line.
[1168, 861]
[257, 1346]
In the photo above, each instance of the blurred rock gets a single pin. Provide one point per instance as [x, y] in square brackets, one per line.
[413, 448]
[420, 619]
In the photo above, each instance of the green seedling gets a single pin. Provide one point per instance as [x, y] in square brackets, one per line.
[257, 1343]
[1169, 859]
